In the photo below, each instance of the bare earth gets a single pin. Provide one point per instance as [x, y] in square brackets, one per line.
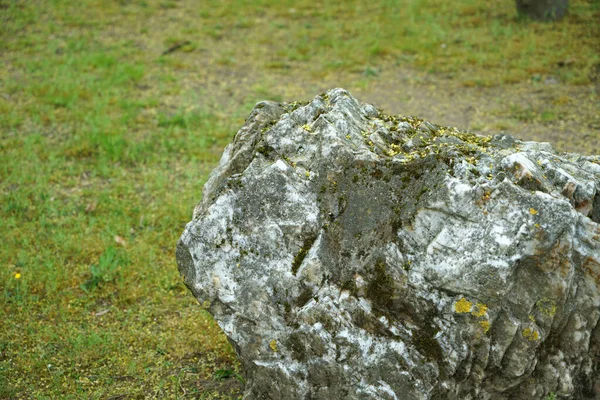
[567, 116]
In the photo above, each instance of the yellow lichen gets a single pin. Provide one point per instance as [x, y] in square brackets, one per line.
[531, 334]
[273, 345]
[547, 306]
[480, 310]
[463, 306]
[485, 325]
[533, 211]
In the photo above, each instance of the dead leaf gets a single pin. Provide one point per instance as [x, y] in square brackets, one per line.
[101, 313]
[120, 240]
[91, 206]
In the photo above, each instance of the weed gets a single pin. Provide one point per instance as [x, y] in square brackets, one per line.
[228, 373]
[370, 71]
[524, 114]
[105, 270]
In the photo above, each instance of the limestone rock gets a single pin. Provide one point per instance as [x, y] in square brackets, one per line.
[348, 254]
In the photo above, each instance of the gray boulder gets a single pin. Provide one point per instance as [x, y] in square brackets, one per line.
[348, 254]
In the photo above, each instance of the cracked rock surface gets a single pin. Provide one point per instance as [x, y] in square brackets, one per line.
[350, 254]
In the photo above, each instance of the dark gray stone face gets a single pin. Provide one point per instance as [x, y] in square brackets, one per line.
[348, 254]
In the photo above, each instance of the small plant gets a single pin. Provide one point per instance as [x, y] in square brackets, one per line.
[105, 271]
[523, 114]
[551, 396]
[370, 71]
[226, 373]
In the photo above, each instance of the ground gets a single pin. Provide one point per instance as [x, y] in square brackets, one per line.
[563, 114]
[113, 113]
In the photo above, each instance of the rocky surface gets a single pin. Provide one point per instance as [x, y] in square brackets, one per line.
[351, 254]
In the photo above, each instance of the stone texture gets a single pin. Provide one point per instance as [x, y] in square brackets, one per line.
[350, 254]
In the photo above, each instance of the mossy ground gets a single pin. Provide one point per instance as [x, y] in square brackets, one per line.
[112, 114]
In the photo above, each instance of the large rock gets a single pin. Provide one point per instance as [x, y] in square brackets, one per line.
[348, 254]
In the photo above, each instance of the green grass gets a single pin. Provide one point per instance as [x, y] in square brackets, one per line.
[105, 142]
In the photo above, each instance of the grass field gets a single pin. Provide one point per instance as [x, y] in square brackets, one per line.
[113, 113]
